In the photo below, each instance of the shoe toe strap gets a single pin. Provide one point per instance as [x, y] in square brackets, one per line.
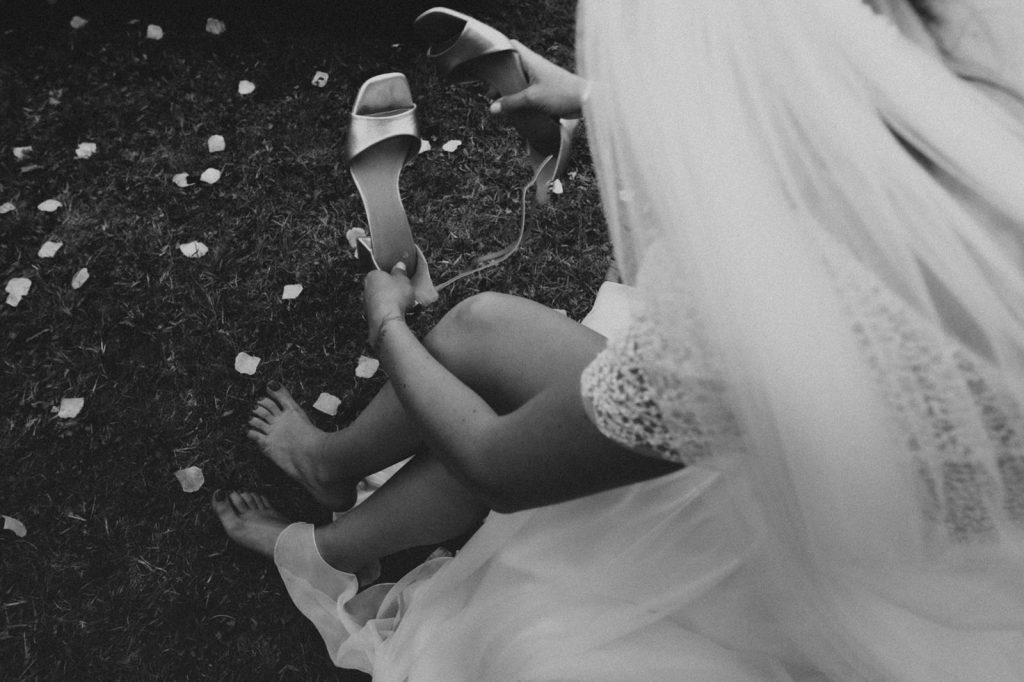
[365, 131]
[477, 39]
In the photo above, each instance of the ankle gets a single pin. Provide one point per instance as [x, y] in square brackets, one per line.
[340, 555]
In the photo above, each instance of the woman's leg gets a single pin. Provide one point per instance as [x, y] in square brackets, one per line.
[503, 347]
[507, 349]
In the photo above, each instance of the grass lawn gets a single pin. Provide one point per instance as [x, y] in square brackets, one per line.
[122, 575]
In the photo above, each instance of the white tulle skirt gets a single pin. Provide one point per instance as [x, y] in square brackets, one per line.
[662, 580]
[648, 582]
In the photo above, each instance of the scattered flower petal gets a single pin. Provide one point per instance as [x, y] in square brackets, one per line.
[246, 87]
[354, 235]
[425, 146]
[154, 32]
[210, 176]
[246, 364]
[327, 403]
[6, 207]
[70, 407]
[85, 150]
[215, 144]
[21, 152]
[190, 478]
[320, 79]
[556, 187]
[80, 278]
[194, 249]
[49, 249]
[451, 145]
[78, 22]
[14, 525]
[49, 206]
[181, 180]
[366, 367]
[17, 289]
[291, 291]
[215, 26]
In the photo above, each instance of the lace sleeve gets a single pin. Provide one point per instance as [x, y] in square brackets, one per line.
[659, 399]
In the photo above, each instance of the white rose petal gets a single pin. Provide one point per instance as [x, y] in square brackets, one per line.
[49, 206]
[181, 180]
[215, 144]
[78, 22]
[354, 235]
[17, 289]
[327, 403]
[190, 478]
[80, 278]
[246, 364]
[85, 150]
[556, 187]
[320, 79]
[14, 525]
[366, 367]
[291, 291]
[154, 32]
[215, 26]
[451, 145]
[49, 249]
[210, 176]
[70, 407]
[246, 87]
[194, 249]
[21, 152]
[6, 207]
[425, 146]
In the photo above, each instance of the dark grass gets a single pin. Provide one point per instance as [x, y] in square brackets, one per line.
[122, 575]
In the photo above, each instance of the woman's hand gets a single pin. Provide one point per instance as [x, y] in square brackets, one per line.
[552, 89]
[390, 296]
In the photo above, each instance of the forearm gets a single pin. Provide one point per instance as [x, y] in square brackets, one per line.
[455, 420]
[545, 451]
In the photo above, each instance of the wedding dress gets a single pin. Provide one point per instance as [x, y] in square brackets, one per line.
[822, 229]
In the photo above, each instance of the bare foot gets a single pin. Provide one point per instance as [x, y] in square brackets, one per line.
[286, 435]
[249, 520]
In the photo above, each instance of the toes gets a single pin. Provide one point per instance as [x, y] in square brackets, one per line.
[280, 394]
[250, 500]
[265, 413]
[258, 425]
[259, 437]
[261, 502]
[268, 405]
[238, 502]
[222, 505]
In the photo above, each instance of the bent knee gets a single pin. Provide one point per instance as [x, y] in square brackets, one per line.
[479, 314]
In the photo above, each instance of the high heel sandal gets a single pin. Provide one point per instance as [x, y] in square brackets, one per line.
[382, 138]
[465, 50]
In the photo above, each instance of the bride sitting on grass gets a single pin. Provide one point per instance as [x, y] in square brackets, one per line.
[820, 219]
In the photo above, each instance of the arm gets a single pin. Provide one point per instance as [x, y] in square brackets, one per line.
[545, 451]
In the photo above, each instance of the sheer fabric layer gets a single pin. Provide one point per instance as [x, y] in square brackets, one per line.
[842, 216]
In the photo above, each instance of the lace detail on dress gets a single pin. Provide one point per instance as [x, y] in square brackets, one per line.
[658, 398]
[963, 429]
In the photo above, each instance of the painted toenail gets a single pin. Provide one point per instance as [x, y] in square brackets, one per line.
[274, 386]
[218, 495]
